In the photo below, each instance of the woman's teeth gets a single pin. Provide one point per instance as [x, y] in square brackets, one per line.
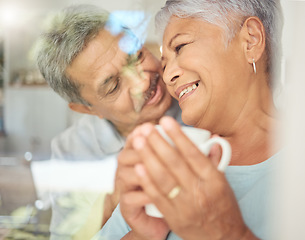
[188, 89]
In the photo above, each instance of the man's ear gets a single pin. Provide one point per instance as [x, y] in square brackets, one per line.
[255, 38]
[81, 108]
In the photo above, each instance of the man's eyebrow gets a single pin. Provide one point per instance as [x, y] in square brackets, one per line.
[130, 59]
[107, 80]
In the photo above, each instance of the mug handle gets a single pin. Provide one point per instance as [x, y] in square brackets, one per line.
[226, 151]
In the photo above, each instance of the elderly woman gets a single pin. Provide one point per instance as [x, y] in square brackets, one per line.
[219, 63]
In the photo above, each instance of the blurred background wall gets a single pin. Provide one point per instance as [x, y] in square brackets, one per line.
[290, 182]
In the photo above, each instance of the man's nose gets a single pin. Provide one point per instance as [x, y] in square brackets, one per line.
[139, 80]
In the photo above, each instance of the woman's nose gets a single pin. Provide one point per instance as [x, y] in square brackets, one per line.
[171, 73]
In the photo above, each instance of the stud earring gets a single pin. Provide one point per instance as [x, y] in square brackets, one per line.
[254, 66]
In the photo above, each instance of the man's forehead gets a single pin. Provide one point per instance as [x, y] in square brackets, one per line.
[102, 50]
[98, 55]
[107, 44]
[102, 57]
[118, 49]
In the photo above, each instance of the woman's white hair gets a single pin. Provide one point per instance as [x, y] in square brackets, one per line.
[230, 15]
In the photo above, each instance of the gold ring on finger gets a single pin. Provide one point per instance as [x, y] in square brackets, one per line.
[174, 192]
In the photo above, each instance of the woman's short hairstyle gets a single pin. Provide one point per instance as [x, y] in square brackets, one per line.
[230, 15]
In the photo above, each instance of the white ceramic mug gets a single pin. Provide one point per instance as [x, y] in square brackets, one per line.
[204, 143]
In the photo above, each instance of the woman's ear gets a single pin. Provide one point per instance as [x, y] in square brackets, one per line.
[81, 108]
[255, 38]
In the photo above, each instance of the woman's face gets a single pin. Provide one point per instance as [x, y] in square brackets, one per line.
[207, 76]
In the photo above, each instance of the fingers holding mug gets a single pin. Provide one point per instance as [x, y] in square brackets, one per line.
[200, 139]
[159, 175]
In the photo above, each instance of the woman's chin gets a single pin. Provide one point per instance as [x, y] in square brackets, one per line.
[188, 119]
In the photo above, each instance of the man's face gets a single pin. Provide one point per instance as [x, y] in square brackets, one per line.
[126, 90]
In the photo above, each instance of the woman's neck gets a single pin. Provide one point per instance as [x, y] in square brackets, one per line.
[252, 141]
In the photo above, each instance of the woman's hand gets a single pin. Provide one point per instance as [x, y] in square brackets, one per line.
[133, 198]
[205, 207]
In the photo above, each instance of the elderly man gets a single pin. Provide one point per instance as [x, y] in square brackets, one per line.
[102, 71]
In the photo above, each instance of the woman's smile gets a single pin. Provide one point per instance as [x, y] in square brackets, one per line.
[186, 90]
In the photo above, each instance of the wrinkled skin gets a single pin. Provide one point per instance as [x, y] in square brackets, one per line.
[207, 209]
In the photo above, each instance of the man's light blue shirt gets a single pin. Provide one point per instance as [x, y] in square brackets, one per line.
[90, 139]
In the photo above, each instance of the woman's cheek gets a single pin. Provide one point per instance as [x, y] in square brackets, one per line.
[171, 91]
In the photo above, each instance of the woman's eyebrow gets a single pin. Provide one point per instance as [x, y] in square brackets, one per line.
[174, 37]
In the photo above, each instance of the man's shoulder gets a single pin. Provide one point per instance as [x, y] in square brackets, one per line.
[87, 137]
[86, 125]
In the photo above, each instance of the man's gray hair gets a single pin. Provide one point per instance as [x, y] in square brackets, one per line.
[230, 15]
[68, 33]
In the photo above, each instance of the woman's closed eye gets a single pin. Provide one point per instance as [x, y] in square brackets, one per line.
[179, 47]
[177, 50]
